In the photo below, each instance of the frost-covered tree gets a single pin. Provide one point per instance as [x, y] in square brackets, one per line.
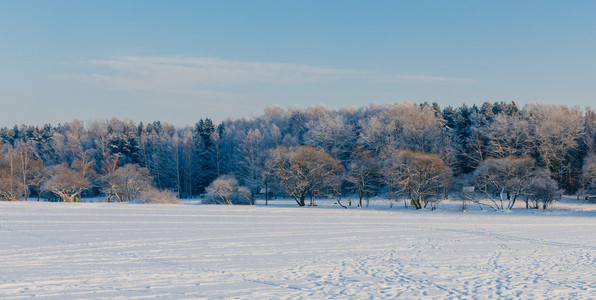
[253, 159]
[375, 133]
[126, 183]
[556, 131]
[420, 129]
[502, 181]
[99, 134]
[65, 182]
[589, 137]
[544, 191]
[364, 173]
[495, 177]
[421, 176]
[27, 165]
[304, 171]
[12, 186]
[508, 136]
[159, 154]
[589, 175]
[186, 160]
[460, 126]
[332, 134]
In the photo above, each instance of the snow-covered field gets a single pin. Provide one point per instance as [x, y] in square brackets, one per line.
[109, 250]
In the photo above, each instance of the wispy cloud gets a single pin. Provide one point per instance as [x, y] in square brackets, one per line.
[208, 75]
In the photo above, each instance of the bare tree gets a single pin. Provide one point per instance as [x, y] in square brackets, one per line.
[331, 133]
[66, 183]
[423, 176]
[304, 171]
[590, 131]
[38, 177]
[375, 132]
[556, 130]
[492, 177]
[504, 180]
[12, 186]
[84, 163]
[126, 183]
[252, 161]
[99, 134]
[589, 176]
[271, 183]
[420, 128]
[27, 165]
[508, 136]
[110, 165]
[477, 145]
[363, 173]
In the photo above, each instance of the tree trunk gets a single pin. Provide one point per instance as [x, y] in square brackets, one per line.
[360, 195]
[417, 203]
[300, 200]
[512, 202]
[266, 192]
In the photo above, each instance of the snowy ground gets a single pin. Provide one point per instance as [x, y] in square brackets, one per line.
[110, 250]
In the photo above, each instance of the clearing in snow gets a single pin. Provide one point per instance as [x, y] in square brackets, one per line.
[108, 250]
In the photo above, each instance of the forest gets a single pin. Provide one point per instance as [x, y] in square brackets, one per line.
[493, 155]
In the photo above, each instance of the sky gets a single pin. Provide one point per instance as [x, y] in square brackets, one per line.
[181, 61]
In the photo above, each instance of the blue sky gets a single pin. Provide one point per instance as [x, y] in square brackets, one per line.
[179, 61]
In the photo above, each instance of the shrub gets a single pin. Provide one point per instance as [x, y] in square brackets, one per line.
[155, 196]
[225, 190]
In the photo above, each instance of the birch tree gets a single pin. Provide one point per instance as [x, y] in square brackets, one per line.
[12, 187]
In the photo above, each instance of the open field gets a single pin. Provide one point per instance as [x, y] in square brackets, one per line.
[109, 250]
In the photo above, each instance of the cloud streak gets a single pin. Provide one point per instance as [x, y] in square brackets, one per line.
[209, 75]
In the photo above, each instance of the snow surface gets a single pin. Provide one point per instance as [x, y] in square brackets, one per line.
[111, 250]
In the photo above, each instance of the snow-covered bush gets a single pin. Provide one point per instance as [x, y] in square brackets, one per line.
[155, 196]
[544, 190]
[226, 190]
[126, 183]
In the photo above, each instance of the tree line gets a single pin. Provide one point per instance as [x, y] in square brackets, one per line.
[493, 155]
